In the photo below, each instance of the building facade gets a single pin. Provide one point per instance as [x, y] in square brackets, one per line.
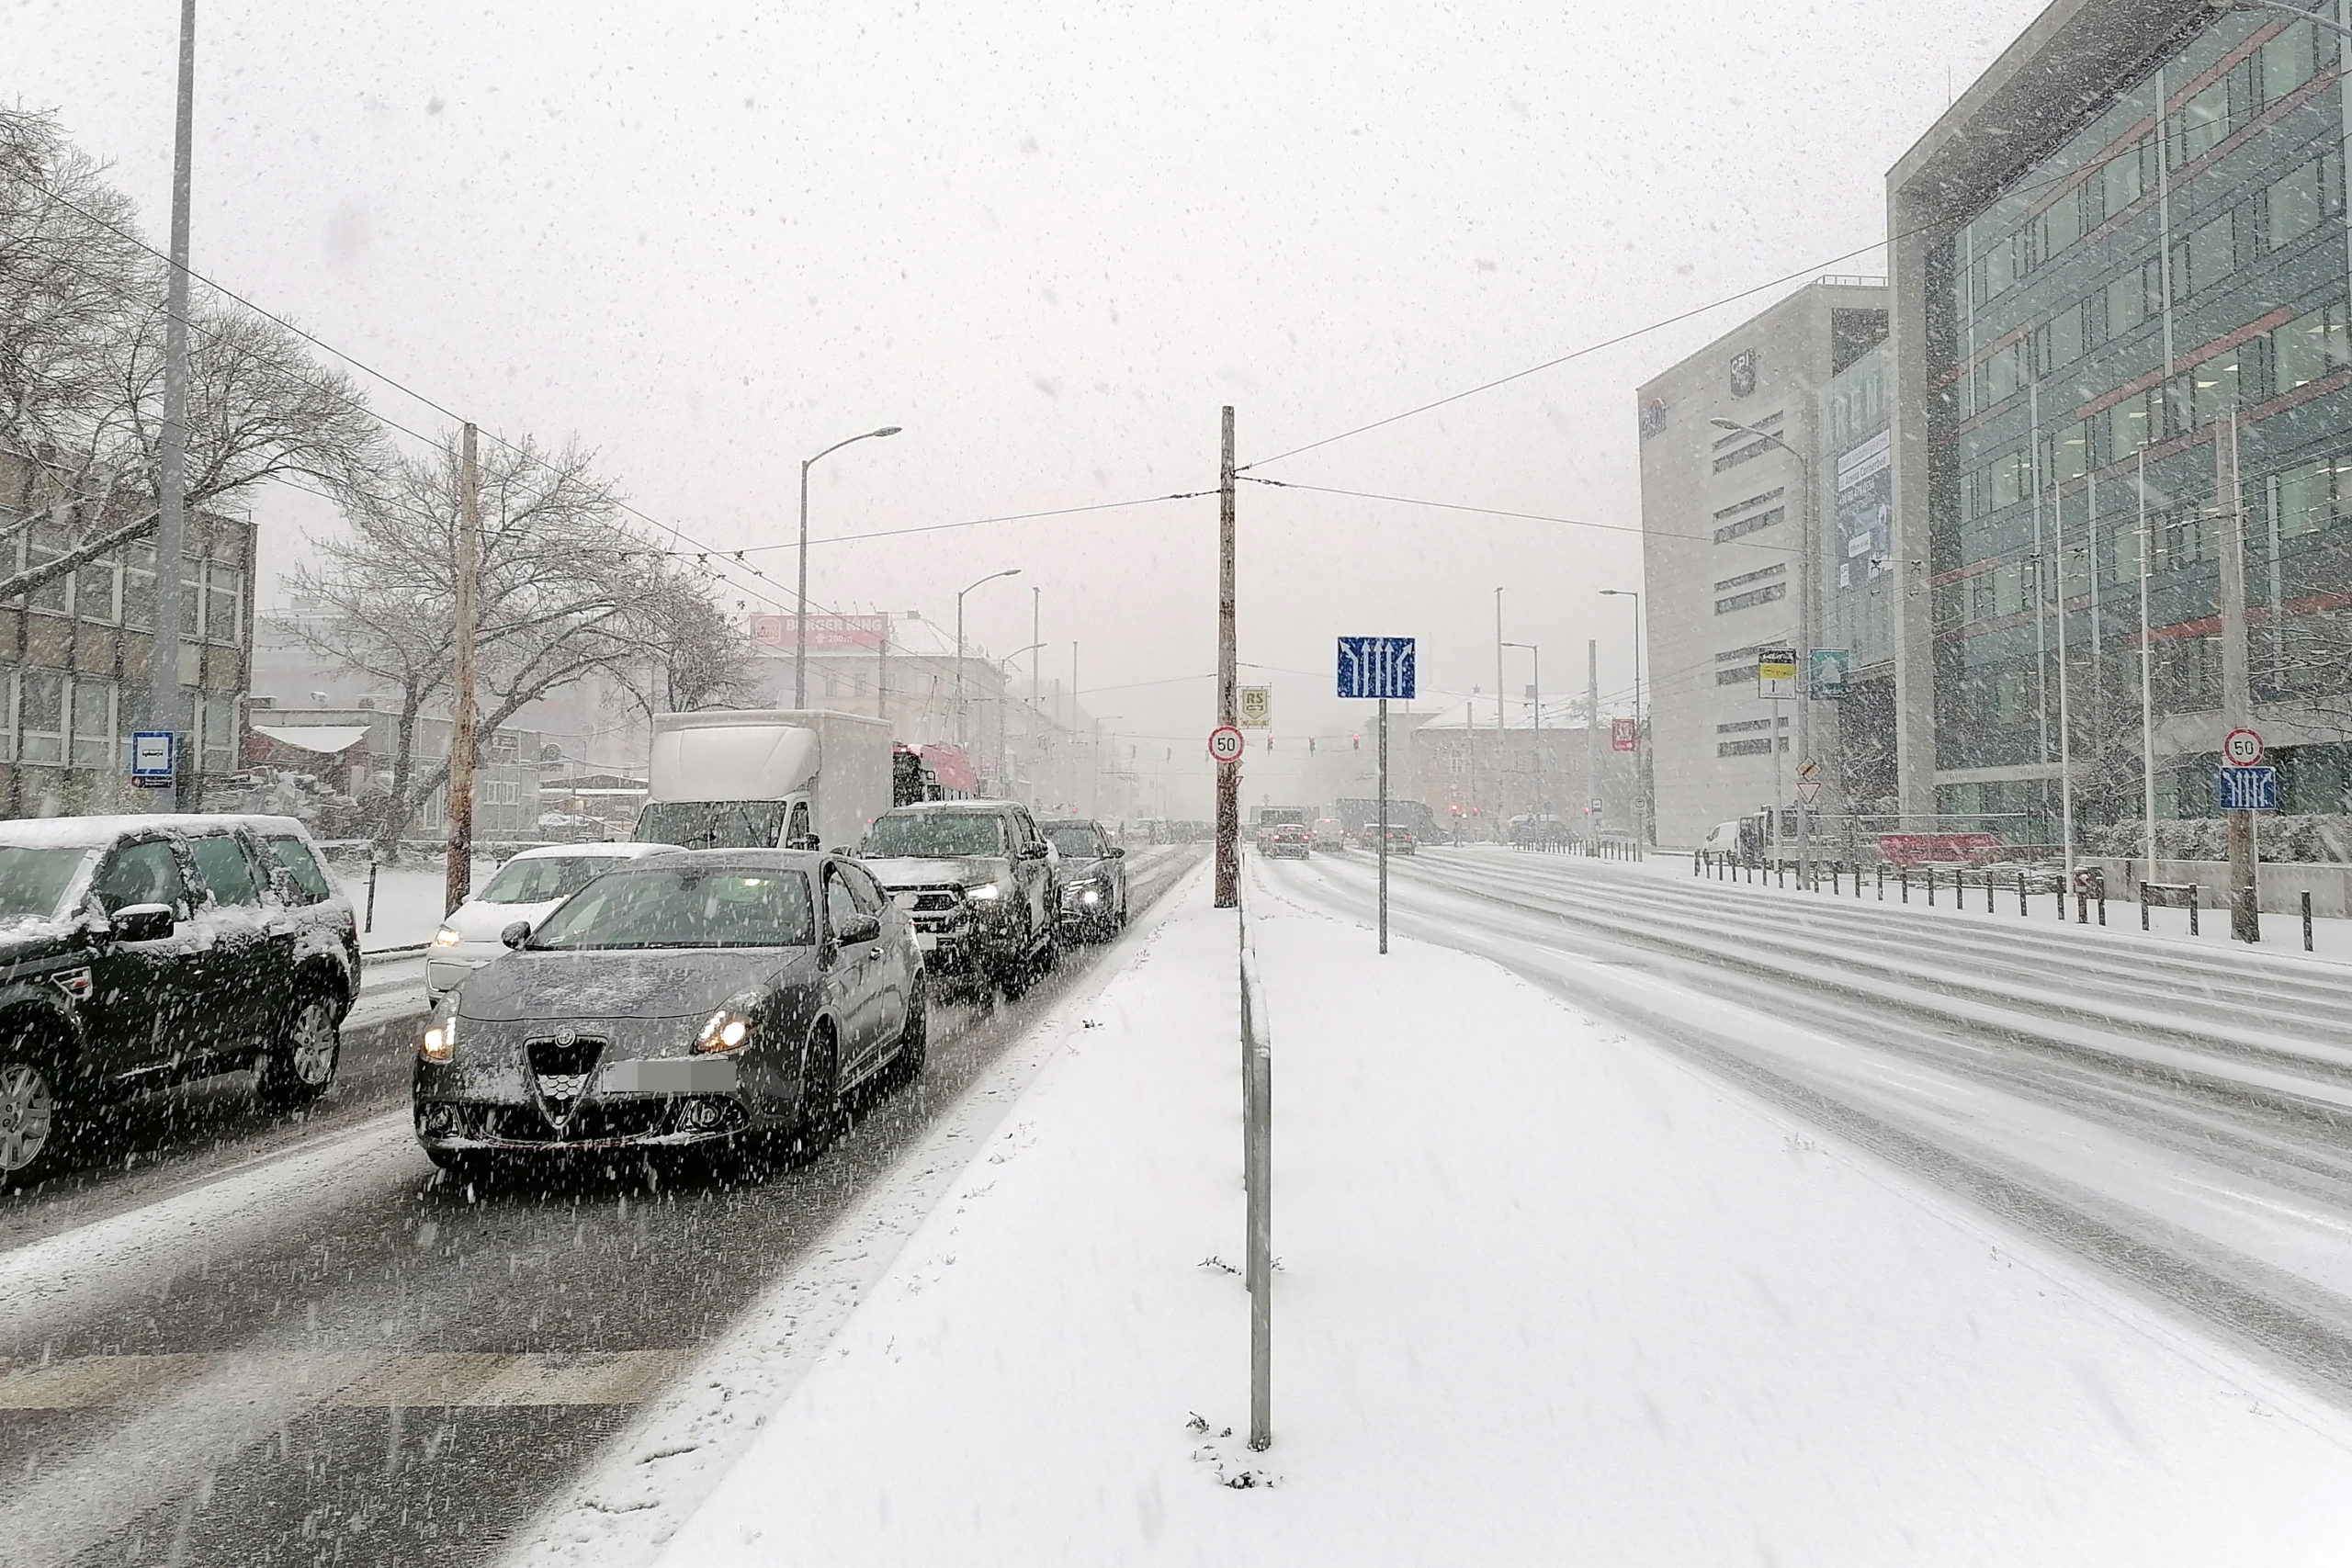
[1722, 516]
[75, 654]
[1471, 770]
[2122, 418]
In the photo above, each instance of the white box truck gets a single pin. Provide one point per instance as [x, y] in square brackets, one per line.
[771, 779]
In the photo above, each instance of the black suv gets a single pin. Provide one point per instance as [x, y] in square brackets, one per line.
[983, 885]
[1095, 879]
[138, 952]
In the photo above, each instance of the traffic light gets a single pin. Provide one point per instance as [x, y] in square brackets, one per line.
[1355, 743]
[1310, 745]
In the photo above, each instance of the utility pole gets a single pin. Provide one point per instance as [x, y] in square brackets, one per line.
[2147, 684]
[164, 711]
[1228, 711]
[1591, 734]
[1503, 742]
[2237, 685]
[459, 881]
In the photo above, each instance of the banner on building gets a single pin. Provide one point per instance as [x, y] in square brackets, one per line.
[826, 634]
[1624, 735]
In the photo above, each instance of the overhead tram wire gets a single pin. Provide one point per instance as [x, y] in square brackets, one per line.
[1525, 516]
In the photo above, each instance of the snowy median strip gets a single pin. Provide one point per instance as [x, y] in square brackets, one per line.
[1543, 1293]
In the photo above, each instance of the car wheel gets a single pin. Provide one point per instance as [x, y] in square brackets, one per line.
[299, 1067]
[914, 1040]
[822, 1111]
[32, 1124]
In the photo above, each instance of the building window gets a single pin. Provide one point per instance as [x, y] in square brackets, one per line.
[94, 725]
[2309, 348]
[139, 588]
[224, 604]
[40, 715]
[1744, 726]
[1735, 677]
[1759, 747]
[98, 593]
[1758, 575]
[1753, 523]
[1752, 598]
[44, 542]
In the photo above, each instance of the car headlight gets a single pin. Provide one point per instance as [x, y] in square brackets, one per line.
[729, 1027]
[984, 892]
[440, 1042]
[446, 937]
[1092, 895]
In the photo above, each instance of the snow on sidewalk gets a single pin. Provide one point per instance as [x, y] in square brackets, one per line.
[1545, 1295]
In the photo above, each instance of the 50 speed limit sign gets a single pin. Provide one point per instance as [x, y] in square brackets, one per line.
[2241, 749]
[1225, 743]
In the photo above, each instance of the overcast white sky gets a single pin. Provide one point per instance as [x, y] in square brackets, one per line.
[1049, 241]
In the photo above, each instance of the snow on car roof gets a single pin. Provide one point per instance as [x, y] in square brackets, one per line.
[617, 849]
[96, 832]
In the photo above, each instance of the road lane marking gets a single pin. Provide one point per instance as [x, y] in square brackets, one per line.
[469, 1379]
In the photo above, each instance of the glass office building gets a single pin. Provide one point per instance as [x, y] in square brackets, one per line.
[2132, 350]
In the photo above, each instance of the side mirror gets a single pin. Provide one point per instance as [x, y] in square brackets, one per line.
[282, 886]
[866, 928]
[802, 842]
[516, 933]
[1118, 851]
[1033, 852]
[143, 922]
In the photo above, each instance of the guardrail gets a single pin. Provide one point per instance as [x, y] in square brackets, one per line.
[2089, 890]
[1256, 1175]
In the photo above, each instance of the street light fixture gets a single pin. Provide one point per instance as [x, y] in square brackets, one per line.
[1804, 569]
[800, 621]
[2314, 17]
[1003, 746]
[1537, 655]
[992, 577]
[1641, 732]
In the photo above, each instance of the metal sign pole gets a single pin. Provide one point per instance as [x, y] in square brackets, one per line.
[1384, 824]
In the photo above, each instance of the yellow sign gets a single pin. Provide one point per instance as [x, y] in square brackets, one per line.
[1257, 707]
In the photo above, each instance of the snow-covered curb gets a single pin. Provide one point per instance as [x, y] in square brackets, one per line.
[651, 1478]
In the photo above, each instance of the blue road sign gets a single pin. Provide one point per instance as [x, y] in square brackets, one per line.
[2247, 789]
[152, 756]
[1376, 667]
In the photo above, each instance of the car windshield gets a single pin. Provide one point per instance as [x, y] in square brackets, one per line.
[543, 879]
[1081, 841]
[712, 824]
[684, 906]
[33, 882]
[939, 835]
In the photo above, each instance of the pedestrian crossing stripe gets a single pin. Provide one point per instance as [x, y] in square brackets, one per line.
[470, 1380]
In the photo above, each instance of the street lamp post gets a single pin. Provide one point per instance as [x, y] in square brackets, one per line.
[1641, 727]
[1003, 749]
[1805, 570]
[800, 620]
[992, 577]
[1536, 657]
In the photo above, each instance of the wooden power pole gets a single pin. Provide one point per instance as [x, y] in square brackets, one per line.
[460, 881]
[1228, 774]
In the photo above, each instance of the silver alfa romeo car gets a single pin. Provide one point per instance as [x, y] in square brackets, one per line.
[734, 999]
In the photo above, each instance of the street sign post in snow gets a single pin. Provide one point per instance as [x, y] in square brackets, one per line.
[2247, 789]
[1380, 668]
[2241, 749]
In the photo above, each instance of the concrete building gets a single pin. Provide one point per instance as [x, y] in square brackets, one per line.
[1471, 770]
[1720, 520]
[74, 655]
[2121, 256]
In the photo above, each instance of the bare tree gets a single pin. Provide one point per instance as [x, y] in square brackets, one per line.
[82, 320]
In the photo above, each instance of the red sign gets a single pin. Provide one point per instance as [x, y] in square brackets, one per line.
[948, 764]
[826, 634]
[1916, 849]
[1624, 735]
[1225, 743]
[2241, 749]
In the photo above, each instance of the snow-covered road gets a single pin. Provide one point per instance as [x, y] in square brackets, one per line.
[2182, 1118]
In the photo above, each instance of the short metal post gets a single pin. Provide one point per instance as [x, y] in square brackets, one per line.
[1904, 877]
[2023, 910]
[2307, 919]
[1988, 889]
[370, 924]
[2082, 908]
[2194, 891]
[1931, 887]
[2144, 906]
[1881, 882]
[2102, 903]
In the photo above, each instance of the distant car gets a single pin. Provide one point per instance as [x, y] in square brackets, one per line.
[981, 881]
[1287, 840]
[140, 952]
[1095, 878]
[1330, 835]
[527, 888]
[1401, 840]
[732, 999]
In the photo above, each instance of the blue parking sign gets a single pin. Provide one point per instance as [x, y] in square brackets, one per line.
[2247, 789]
[1376, 667]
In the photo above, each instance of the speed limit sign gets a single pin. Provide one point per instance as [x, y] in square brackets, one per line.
[2241, 749]
[1225, 743]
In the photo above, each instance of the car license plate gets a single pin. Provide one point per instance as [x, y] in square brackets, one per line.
[928, 942]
